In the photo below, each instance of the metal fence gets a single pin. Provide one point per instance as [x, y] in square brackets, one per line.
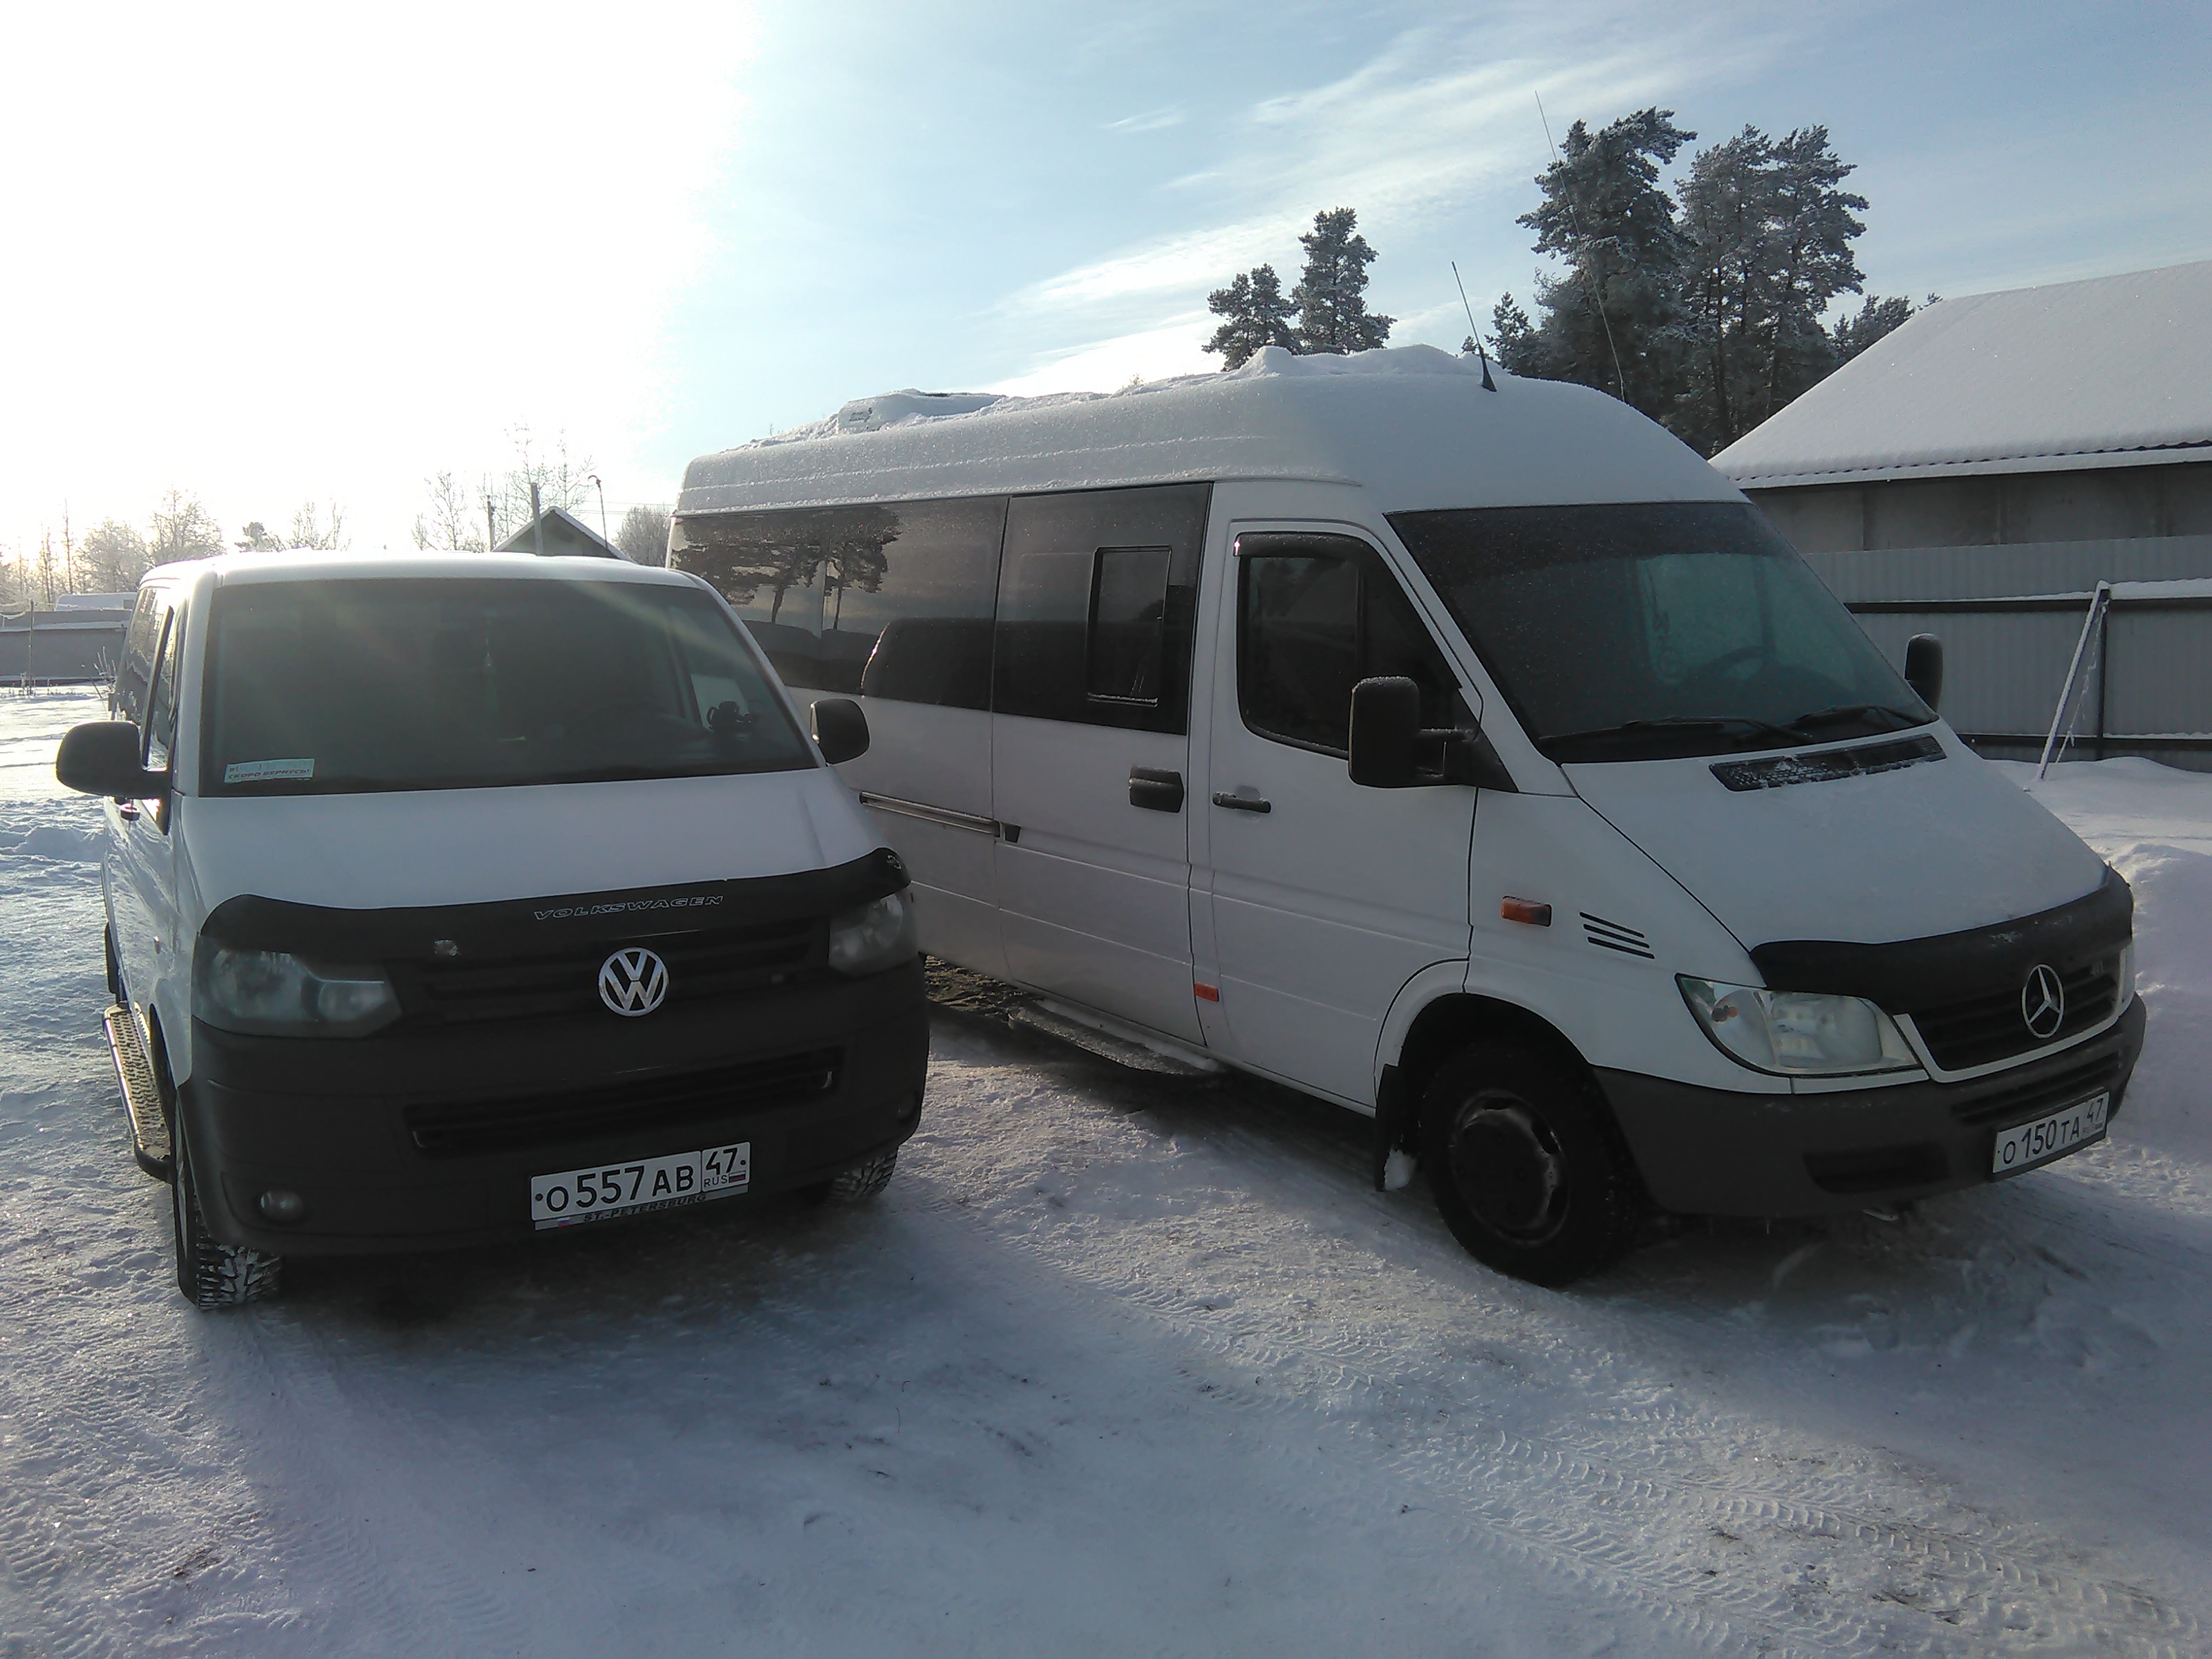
[2010, 619]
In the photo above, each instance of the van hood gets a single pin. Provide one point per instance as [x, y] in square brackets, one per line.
[438, 847]
[1937, 847]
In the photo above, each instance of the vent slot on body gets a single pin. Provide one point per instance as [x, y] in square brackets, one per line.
[1612, 936]
[1780, 771]
[460, 1128]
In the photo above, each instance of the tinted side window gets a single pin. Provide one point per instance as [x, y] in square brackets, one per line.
[161, 718]
[129, 699]
[1315, 616]
[1096, 596]
[888, 600]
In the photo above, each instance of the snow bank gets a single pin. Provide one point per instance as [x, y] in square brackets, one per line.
[2154, 824]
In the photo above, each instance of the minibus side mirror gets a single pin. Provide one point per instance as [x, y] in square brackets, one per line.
[1386, 733]
[1389, 749]
[1924, 668]
[101, 758]
[840, 730]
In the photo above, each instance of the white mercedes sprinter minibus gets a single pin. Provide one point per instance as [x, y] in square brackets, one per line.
[452, 899]
[1476, 758]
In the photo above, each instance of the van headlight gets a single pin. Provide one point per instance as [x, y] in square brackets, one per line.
[878, 935]
[1797, 1033]
[275, 993]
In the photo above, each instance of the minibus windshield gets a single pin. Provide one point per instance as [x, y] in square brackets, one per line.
[1644, 631]
[339, 687]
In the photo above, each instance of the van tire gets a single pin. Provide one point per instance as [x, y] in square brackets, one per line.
[1527, 1165]
[862, 1180]
[212, 1275]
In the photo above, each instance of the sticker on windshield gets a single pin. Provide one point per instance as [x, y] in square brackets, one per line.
[265, 771]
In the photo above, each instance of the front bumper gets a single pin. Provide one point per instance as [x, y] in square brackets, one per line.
[1712, 1151]
[428, 1141]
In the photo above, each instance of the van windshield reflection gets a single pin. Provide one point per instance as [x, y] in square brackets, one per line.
[1645, 631]
[341, 687]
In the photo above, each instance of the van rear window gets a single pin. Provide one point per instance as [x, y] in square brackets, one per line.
[343, 687]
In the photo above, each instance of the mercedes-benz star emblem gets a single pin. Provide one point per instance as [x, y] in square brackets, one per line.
[633, 982]
[2043, 1001]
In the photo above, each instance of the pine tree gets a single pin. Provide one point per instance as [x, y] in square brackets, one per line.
[1876, 317]
[1613, 322]
[1514, 340]
[1333, 314]
[1255, 315]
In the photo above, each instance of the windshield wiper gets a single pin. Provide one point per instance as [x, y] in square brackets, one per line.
[1853, 711]
[1685, 724]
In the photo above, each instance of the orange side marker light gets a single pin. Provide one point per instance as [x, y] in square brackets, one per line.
[1205, 992]
[1528, 911]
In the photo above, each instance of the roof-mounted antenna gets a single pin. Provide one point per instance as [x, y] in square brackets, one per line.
[1575, 223]
[1473, 332]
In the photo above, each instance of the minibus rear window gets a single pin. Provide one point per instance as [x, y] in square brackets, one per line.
[339, 687]
[1634, 632]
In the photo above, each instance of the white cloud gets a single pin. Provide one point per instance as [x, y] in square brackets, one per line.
[274, 251]
[1177, 347]
[1153, 120]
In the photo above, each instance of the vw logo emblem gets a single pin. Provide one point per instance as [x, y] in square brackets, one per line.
[633, 982]
[2043, 1001]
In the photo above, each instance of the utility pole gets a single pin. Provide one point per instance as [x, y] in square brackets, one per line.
[536, 522]
[491, 528]
[602, 488]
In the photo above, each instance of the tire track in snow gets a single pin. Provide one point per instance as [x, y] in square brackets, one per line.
[1865, 1553]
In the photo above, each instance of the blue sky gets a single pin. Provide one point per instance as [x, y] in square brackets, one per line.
[300, 257]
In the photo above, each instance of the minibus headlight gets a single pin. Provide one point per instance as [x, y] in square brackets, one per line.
[1797, 1033]
[275, 993]
[878, 935]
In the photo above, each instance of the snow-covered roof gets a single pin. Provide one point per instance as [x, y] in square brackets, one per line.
[294, 563]
[2112, 372]
[559, 522]
[1413, 424]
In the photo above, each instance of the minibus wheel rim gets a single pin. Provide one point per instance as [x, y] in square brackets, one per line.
[1509, 1168]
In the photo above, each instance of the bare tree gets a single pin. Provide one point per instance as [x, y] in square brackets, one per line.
[449, 521]
[563, 480]
[309, 529]
[113, 558]
[644, 535]
[183, 530]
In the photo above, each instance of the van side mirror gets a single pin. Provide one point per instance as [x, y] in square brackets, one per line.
[1390, 748]
[101, 758]
[1924, 668]
[840, 730]
[1386, 733]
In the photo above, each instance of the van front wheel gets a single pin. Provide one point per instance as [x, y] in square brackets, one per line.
[212, 1275]
[1528, 1168]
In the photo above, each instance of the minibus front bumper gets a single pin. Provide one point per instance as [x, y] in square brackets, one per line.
[1714, 1151]
[431, 1141]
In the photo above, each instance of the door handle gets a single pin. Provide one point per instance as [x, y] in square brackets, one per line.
[1244, 803]
[1154, 790]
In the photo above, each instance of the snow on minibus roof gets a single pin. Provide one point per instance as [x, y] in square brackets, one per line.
[1413, 424]
[295, 564]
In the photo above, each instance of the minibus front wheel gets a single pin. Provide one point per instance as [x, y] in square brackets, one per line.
[1527, 1168]
[211, 1273]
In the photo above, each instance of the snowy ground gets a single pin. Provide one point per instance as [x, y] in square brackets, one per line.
[1117, 1366]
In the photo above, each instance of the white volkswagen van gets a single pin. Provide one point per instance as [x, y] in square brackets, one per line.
[1469, 753]
[452, 899]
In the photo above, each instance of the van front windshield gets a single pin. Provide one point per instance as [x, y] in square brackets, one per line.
[1646, 631]
[338, 687]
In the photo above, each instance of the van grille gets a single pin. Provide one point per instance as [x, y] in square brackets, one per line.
[1981, 1030]
[460, 1128]
[567, 982]
[2011, 1102]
